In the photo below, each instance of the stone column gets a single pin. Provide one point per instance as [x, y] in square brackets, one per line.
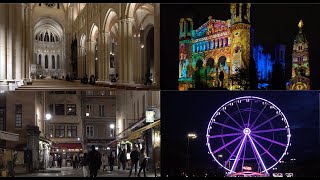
[131, 70]
[3, 25]
[106, 55]
[18, 41]
[28, 38]
[156, 75]
[10, 17]
[90, 58]
[122, 54]
[101, 57]
[33, 144]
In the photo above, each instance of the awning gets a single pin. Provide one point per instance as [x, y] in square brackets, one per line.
[67, 146]
[137, 134]
[9, 136]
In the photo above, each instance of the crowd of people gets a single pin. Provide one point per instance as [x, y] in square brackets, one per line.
[93, 161]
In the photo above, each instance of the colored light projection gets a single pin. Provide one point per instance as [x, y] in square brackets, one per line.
[248, 134]
[210, 54]
[300, 62]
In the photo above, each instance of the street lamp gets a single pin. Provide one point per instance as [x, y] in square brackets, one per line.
[192, 136]
[48, 116]
[112, 129]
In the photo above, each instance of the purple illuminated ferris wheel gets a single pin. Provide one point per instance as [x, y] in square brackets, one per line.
[248, 134]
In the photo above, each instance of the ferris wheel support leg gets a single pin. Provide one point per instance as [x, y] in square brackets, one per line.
[237, 157]
[257, 153]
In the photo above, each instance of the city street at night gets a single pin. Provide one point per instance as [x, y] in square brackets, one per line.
[70, 172]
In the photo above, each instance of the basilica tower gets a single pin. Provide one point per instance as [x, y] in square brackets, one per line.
[185, 52]
[300, 62]
[240, 35]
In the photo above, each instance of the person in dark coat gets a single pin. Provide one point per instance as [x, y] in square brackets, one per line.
[94, 161]
[123, 159]
[59, 161]
[134, 156]
[111, 161]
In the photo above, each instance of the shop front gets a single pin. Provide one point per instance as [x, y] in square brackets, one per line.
[65, 151]
[6, 154]
[148, 136]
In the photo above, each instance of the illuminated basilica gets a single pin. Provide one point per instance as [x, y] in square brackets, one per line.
[210, 54]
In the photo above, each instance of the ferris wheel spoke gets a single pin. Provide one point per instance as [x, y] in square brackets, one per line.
[226, 145]
[240, 113]
[265, 122]
[236, 160]
[233, 119]
[270, 140]
[225, 135]
[236, 129]
[258, 116]
[265, 150]
[255, 150]
[234, 151]
[244, 154]
[249, 114]
[269, 130]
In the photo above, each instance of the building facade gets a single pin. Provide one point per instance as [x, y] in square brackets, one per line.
[99, 119]
[210, 54]
[25, 117]
[64, 123]
[134, 127]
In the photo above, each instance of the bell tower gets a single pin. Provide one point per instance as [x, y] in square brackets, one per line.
[300, 62]
[240, 35]
[185, 53]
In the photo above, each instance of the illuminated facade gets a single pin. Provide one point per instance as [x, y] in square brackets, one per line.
[265, 61]
[300, 62]
[209, 55]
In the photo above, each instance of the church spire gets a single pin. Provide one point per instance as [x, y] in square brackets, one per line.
[300, 25]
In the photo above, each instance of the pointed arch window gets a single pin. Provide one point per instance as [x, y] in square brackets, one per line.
[58, 61]
[40, 59]
[46, 62]
[53, 62]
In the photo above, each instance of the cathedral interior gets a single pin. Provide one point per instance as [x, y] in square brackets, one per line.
[112, 42]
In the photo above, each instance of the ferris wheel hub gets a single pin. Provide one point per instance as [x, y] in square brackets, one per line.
[246, 131]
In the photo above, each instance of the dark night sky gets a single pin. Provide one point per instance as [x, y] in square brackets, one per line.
[190, 111]
[273, 23]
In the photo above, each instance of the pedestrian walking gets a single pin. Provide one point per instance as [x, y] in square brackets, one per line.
[111, 161]
[134, 156]
[94, 161]
[143, 162]
[59, 161]
[50, 161]
[84, 164]
[123, 159]
[104, 160]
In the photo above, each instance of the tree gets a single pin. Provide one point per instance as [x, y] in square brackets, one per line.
[241, 78]
[246, 78]
[277, 77]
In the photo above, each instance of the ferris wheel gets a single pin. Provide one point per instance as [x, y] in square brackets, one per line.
[248, 134]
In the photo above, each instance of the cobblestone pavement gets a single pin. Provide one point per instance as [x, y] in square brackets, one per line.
[70, 172]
